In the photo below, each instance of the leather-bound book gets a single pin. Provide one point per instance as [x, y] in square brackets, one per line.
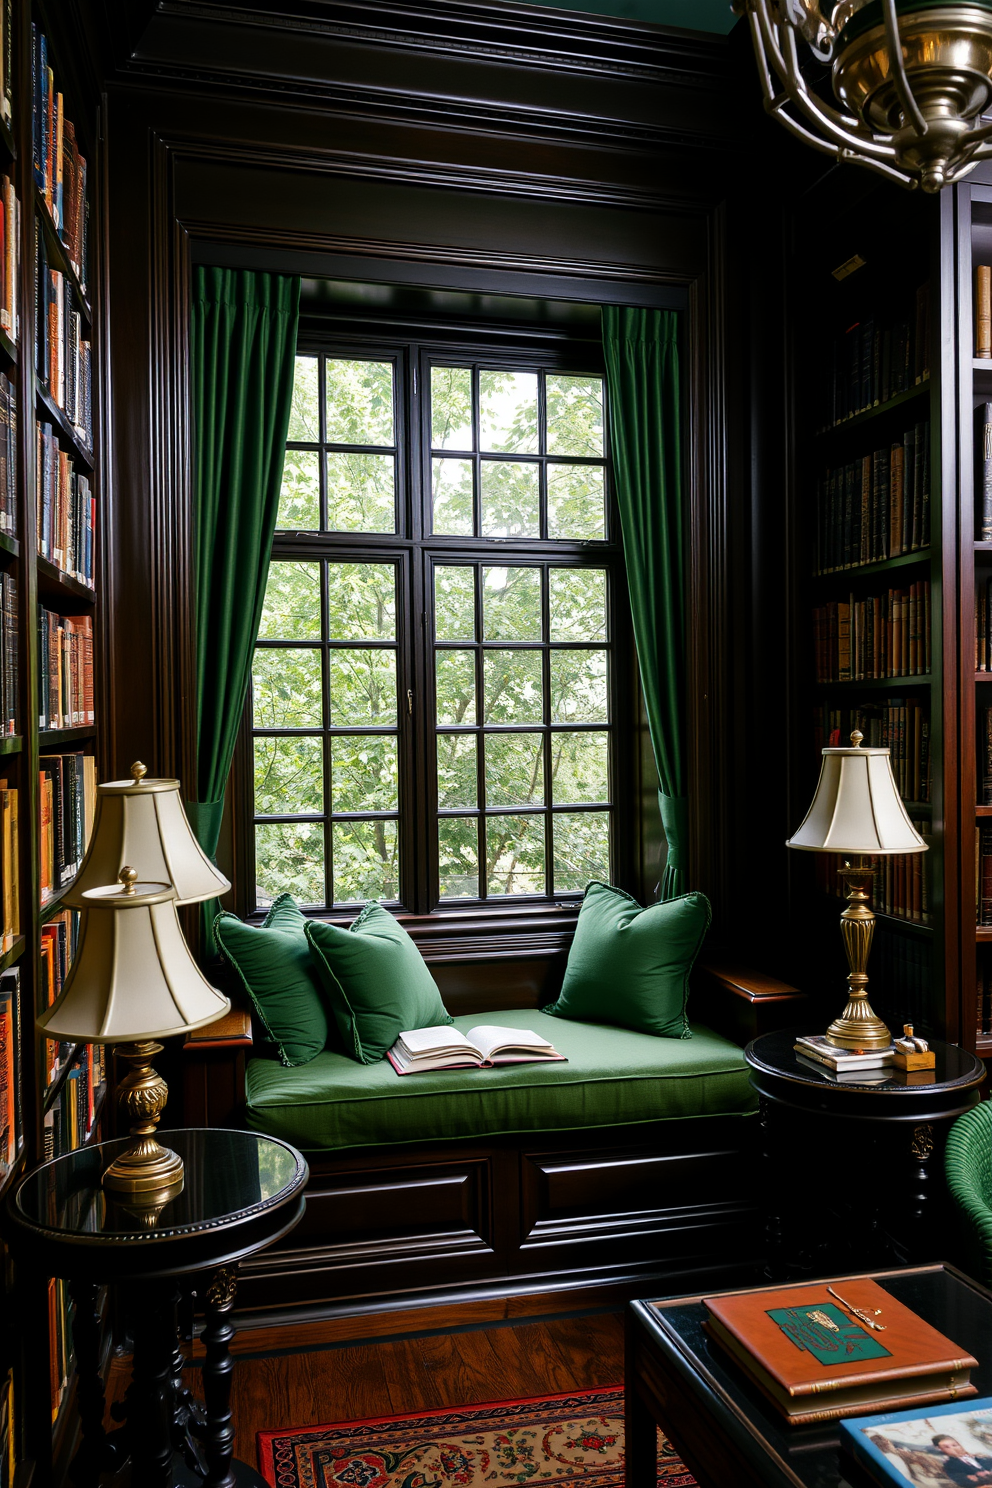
[816, 1359]
[983, 310]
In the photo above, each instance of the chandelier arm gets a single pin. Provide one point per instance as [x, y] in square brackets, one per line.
[880, 167]
[837, 126]
[894, 43]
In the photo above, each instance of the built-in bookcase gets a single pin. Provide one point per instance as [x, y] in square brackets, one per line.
[872, 610]
[52, 1096]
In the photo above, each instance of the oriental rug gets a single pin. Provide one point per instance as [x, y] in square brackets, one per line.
[563, 1439]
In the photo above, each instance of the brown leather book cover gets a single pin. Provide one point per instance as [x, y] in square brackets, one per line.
[810, 1341]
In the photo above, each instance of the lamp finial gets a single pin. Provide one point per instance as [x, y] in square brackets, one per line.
[856, 738]
[138, 771]
[128, 877]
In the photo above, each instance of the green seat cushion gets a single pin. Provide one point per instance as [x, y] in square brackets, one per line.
[630, 966]
[613, 1077]
[377, 982]
[275, 968]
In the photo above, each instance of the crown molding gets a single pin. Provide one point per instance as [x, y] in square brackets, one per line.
[525, 35]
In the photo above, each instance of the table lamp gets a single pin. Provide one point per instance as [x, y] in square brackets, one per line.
[142, 821]
[133, 979]
[857, 810]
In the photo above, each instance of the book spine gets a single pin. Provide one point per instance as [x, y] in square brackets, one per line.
[983, 310]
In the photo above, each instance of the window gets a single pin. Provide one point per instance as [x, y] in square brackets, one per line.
[437, 704]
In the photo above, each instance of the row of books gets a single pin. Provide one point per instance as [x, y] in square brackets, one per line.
[70, 1118]
[900, 884]
[900, 725]
[884, 635]
[11, 1102]
[10, 884]
[61, 1360]
[59, 168]
[9, 625]
[983, 628]
[8, 456]
[67, 795]
[8, 1431]
[58, 945]
[10, 257]
[983, 873]
[875, 507]
[878, 357]
[983, 996]
[62, 354]
[65, 670]
[66, 509]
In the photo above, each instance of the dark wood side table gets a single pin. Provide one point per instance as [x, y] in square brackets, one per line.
[722, 1426]
[242, 1191]
[853, 1164]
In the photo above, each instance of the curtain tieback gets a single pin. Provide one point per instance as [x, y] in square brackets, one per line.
[675, 820]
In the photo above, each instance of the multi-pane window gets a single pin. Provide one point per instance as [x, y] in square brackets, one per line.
[435, 690]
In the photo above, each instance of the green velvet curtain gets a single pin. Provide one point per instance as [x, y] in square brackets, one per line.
[642, 375]
[243, 345]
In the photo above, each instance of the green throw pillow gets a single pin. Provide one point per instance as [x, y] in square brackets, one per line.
[377, 982]
[630, 966]
[274, 964]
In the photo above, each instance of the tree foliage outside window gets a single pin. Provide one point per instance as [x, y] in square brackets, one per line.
[503, 532]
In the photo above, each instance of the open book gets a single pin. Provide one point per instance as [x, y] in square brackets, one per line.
[446, 1048]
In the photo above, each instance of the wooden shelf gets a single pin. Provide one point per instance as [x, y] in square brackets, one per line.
[14, 1171]
[7, 139]
[882, 684]
[58, 257]
[14, 954]
[884, 565]
[68, 438]
[54, 905]
[983, 1045]
[52, 738]
[51, 1093]
[983, 932]
[8, 347]
[11, 743]
[54, 582]
[9, 545]
[857, 420]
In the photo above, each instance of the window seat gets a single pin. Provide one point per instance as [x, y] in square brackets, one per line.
[613, 1077]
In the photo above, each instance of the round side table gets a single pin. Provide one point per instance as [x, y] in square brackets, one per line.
[242, 1191]
[862, 1139]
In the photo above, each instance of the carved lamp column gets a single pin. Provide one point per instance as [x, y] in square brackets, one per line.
[133, 982]
[857, 811]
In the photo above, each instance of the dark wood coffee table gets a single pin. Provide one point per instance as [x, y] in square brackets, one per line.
[724, 1430]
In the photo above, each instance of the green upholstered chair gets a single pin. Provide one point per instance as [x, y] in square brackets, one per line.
[968, 1165]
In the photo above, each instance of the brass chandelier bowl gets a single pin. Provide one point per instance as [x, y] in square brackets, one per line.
[913, 79]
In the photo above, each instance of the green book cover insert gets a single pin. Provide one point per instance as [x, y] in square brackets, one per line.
[821, 1329]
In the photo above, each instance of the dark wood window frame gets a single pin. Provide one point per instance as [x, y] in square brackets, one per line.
[415, 553]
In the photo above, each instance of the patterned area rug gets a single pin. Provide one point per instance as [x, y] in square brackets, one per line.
[562, 1439]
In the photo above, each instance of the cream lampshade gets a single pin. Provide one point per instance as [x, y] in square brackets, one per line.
[857, 810]
[133, 979]
[142, 821]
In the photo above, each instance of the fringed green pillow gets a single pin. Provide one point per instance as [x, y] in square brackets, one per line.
[377, 982]
[630, 966]
[276, 970]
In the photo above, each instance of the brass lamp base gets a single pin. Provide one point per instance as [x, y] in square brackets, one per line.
[144, 1168]
[858, 1027]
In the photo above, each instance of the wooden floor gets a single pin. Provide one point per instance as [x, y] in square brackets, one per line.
[425, 1371]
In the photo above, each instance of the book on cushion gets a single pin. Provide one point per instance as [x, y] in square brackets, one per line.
[447, 1048]
[817, 1361]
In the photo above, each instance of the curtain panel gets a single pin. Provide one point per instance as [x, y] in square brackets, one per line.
[243, 346]
[642, 375]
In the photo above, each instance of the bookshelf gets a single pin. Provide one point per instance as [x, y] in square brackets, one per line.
[872, 591]
[53, 1097]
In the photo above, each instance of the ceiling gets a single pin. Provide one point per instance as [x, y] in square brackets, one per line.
[693, 15]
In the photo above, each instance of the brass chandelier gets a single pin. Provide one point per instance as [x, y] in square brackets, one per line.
[912, 79]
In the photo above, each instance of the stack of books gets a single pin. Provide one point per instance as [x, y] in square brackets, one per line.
[825, 1351]
[815, 1046]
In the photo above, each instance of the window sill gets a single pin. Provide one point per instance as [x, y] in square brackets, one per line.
[453, 935]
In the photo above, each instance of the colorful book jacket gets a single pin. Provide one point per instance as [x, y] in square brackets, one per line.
[942, 1445]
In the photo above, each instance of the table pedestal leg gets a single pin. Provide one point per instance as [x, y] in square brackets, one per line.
[218, 1432]
[149, 1405]
[920, 1152]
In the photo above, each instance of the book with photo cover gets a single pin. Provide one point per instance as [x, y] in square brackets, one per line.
[446, 1048]
[817, 1359]
[942, 1446]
